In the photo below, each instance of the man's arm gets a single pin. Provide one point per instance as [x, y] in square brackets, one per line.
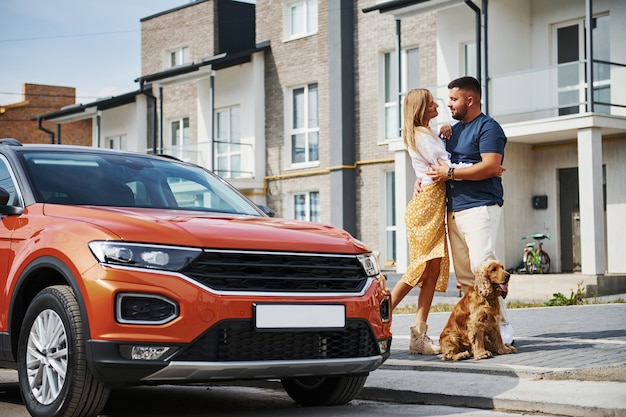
[487, 168]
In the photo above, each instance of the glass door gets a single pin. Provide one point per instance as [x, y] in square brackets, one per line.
[571, 69]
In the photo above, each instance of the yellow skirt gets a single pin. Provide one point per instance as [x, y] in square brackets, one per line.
[426, 232]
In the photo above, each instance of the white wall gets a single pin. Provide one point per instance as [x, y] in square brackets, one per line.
[521, 38]
[129, 120]
[244, 85]
[534, 171]
[614, 154]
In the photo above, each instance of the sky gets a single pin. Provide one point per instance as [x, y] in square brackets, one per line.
[92, 45]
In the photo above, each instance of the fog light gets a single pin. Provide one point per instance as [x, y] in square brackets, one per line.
[384, 345]
[148, 353]
[134, 308]
[385, 309]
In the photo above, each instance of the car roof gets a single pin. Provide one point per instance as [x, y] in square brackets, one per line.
[13, 145]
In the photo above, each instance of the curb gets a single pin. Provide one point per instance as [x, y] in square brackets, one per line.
[497, 392]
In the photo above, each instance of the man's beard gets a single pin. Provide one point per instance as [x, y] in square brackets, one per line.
[459, 115]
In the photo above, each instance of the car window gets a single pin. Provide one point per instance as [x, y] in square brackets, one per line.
[193, 194]
[122, 180]
[8, 183]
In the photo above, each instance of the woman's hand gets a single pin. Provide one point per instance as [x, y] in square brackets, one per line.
[439, 172]
[417, 187]
[445, 131]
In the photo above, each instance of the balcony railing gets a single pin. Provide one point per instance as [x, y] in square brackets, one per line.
[549, 92]
[233, 160]
[557, 91]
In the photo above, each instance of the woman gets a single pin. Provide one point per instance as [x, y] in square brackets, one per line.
[429, 264]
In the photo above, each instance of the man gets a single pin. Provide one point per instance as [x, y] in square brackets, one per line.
[475, 194]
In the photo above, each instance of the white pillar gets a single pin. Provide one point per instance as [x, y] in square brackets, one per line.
[405, 178]
[592, 239]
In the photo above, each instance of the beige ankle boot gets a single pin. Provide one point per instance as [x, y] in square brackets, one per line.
[420, 343]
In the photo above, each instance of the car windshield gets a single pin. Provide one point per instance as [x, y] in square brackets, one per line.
[128, 180]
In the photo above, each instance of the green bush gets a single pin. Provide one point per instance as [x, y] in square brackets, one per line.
[575, 298]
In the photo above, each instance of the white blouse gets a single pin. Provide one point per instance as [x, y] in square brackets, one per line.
[430, 149]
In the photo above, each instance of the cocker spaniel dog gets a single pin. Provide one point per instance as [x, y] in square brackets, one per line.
[473, 328]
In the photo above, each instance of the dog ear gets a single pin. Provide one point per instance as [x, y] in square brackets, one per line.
[482, 283]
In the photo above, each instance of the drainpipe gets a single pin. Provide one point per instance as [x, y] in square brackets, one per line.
[478, 39]
[486, 41]
[589, 53]
[399, 52]
[161, 119]
[212, 88]
[98, 128]
[59, 133]
[153, 99]
[50, 132]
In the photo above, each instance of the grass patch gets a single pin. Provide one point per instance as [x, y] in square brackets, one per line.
[558, 300]
[446, 308]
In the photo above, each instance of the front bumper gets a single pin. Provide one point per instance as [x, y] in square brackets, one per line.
[232, 350]
[214, 371]
[214, 335]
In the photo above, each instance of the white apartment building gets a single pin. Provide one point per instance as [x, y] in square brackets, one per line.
[302, 113]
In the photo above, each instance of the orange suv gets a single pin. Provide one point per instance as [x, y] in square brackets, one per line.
[126, 269]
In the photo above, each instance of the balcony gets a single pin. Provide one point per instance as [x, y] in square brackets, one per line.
[557, 91]
[234, 161]
[548, 105]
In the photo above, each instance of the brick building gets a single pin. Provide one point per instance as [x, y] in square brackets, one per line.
[297, 104]
[19, 120]
[347, 58]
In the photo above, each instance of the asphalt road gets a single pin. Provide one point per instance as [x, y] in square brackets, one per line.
[570, 361]
[237, 401]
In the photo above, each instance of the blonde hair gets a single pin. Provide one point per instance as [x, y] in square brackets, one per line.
[415, 106]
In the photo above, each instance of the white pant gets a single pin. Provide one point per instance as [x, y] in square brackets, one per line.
[472, 235]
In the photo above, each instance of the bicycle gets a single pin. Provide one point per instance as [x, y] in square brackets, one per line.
[535, 259]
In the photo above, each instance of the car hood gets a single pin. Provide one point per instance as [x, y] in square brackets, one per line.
[211, 230]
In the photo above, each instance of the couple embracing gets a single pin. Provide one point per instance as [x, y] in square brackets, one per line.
[458, 172]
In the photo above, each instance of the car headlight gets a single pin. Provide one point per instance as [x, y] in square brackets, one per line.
[138, 255]
[370, 264]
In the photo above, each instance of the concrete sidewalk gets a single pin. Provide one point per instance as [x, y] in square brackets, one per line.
[497, 392]
[533, 288]
[571, 361]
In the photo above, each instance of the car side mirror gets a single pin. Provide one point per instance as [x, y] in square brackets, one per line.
[267, 210]
[4, 208]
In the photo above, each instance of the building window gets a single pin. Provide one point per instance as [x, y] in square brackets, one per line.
[179, 56]
[390, 255]
[304, 127]
[394, 84]
[469, 59]
[300, 18]
[307, 206]
[228, 141]
[116, 142]
[571, 71]
[179, 138]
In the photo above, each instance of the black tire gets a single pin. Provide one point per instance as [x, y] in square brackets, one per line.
[545, 263]
[54, 378]
[324, 391]
[531, 268]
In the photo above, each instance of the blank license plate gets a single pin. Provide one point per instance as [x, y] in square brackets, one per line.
[300, 316]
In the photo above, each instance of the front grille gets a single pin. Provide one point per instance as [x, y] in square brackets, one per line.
[237, 340]
[277, 272]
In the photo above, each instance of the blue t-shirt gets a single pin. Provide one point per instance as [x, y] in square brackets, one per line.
[468, 141]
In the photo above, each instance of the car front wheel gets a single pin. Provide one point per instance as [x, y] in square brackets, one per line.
[54, 378]
[324, 391]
